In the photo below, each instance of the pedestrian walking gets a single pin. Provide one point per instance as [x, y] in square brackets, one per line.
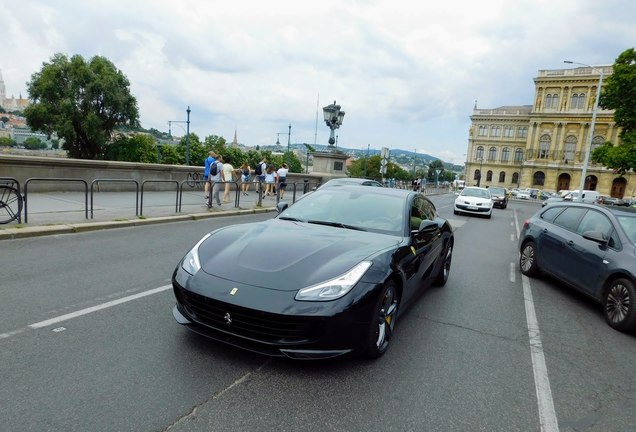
[281, 174]
[245, 178]
[228, 178]
[270, 180]
[206, 173]
[217, 181]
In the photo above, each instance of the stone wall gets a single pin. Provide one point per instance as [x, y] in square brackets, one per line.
[53, 174]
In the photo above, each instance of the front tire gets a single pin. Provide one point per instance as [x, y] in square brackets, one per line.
[619, 305]
[383, 321]
[528, 259]
[444, 271]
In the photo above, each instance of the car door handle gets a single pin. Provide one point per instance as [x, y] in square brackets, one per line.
[570, 243]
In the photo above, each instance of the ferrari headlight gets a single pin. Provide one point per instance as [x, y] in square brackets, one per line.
[190, 261]
[334, 288]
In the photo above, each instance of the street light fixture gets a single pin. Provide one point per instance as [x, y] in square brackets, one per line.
[333, 118]
[187, 122]
[588, 148]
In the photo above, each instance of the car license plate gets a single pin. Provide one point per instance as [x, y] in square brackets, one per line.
[473, 208]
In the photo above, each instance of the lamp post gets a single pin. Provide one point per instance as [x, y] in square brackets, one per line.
[588, 148]
[414, 161]
[481, 166]
[187, 131]
[333, 118]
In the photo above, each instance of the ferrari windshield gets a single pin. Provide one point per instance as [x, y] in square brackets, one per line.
[359, 209]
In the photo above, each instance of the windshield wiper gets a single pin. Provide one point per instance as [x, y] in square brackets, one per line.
[336, 224]
[293, 219]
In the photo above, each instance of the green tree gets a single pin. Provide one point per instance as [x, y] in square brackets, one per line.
[82, 102]
[4, 119]
[432, 167]
[357, 169]
[170, 155]
[133, 148]
[198, 152]
[619, 94]
[7, 142]
[33, 143]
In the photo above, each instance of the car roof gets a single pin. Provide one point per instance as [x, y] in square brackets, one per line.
[610, 209]
[352, 180]
[375, 190]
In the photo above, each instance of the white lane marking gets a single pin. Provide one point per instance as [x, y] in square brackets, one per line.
[547, 416]
[512, 237]
[99, 307]
[513, 273]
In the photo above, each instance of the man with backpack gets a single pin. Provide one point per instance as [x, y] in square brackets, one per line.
[260, 171]
[209, 161]
[217, 178]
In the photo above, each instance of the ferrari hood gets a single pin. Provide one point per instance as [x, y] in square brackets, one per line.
[285, 255]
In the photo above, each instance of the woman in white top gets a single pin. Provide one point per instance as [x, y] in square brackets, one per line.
[228, 170]
[270, 180]
[282, 179]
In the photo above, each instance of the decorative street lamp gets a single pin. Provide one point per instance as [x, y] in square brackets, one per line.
[588, 148]
[333, 119]
[187, 122]
[481, 167]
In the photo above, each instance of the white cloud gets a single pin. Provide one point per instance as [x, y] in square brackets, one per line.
[406, 72]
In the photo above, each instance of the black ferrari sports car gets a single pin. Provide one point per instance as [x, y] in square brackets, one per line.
[327, 276]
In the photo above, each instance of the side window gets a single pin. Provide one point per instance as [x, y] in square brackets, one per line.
[570, 217]
[595, 221]
[551, 213]
[428, 209]
[417, 215]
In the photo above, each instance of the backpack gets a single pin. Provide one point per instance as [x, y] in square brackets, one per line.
[214, 169]
[259, 169]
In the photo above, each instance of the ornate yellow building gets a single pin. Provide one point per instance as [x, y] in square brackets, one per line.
[543, 145]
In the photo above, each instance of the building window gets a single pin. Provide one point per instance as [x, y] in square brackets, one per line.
[505, 154]
[538, 179]
[502, 177]
[479, 154]
[597, 142]
[483, 130]
[492, 153]
[477, 175]
[552, 101]
[515, 178]
[338, 166]
[509, 131]
[489, 176]
[570, 148]
[522, 132]
[578, 101]
[518, 155]
[544, 147]
[495, 131]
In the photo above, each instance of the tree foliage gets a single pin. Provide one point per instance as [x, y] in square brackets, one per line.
[133, 148]
[619, 94]
[33, 143]
[370, 168]
[82, 102]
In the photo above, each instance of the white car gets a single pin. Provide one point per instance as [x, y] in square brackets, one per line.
[523, 194]
[474, 200]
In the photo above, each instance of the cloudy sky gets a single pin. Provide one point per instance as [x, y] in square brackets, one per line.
[406, 72]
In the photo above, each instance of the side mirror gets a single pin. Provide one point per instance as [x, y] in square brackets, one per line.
[428, 226]
[282, 206]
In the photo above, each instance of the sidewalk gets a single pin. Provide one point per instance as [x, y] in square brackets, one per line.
[65, 212]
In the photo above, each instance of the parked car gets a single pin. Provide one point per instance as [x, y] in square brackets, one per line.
[588, 196]
[349, 261]
[523, 194]
[474, 200]
[533, 192]
[589, 247]
[499, 196]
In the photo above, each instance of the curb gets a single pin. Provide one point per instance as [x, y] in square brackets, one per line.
[44, 230]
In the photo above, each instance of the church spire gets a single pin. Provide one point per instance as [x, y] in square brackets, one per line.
[235, 140]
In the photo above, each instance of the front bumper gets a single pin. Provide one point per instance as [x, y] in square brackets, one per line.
[465, 208]
[272, 323]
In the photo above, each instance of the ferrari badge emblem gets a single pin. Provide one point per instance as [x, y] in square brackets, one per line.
[228, 318]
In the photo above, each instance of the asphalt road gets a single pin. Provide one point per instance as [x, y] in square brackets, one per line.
[88, 342]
